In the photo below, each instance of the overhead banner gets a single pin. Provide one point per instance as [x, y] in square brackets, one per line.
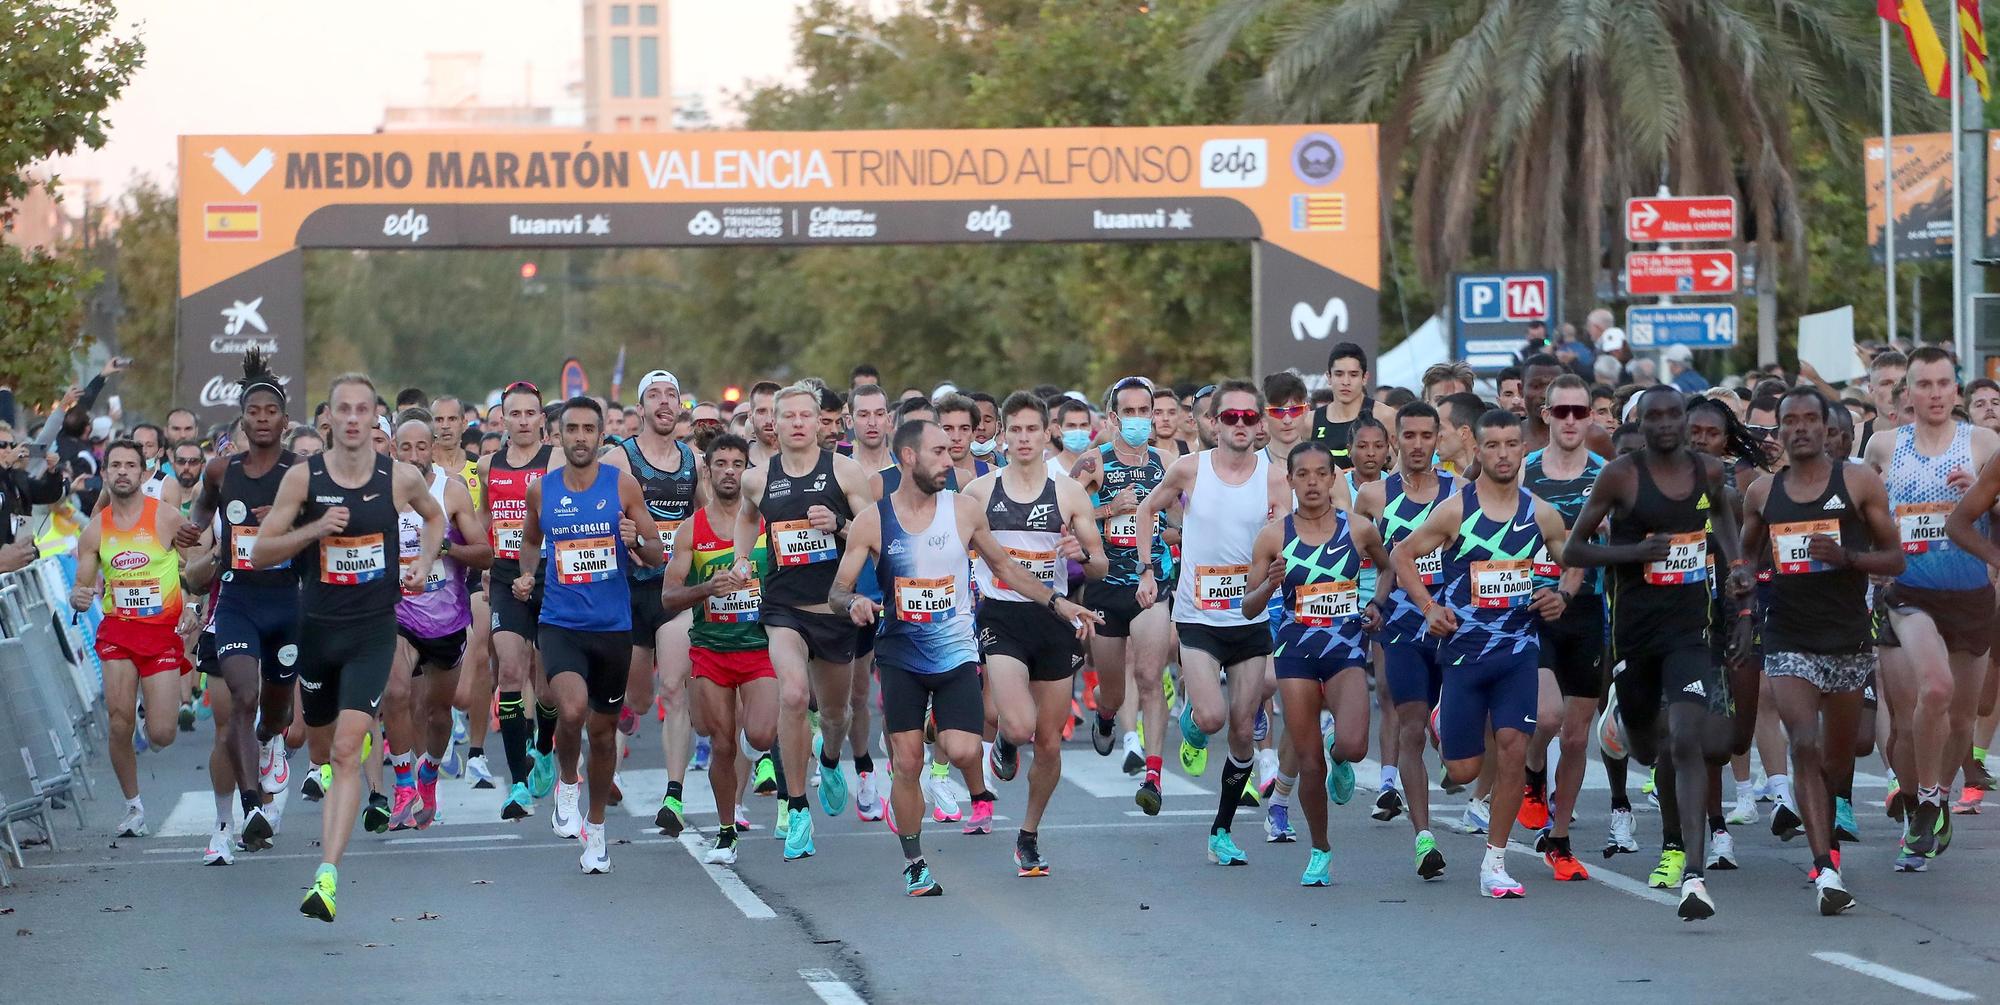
[1923, 196]
[1305, 196]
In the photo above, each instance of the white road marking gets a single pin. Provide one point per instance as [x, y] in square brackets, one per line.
[1615, 880]
[829, 987]
[1167, 813]
[461, 839]
[1105, 777]
[1908, 982]
[732, 887]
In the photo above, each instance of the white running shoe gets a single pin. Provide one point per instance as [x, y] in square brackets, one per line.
[265, 756]
[134, 824]
[1496, 884]
[1622, 839]
[867, 801]
[944, 801]
[1744, 813]
[279, 777]
[565, 820]
[1474, 819]
[1267, 768]
[593, 860]
[1696, 905]
[274, 810]
[721, 854]
[221, 846]
[1721, 851]
[478, 773]
[1832, 897]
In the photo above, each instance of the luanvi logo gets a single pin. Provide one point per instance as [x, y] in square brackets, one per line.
[1308, 323]
[242, 176]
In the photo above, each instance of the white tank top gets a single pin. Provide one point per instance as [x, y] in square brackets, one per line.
[1217, 537]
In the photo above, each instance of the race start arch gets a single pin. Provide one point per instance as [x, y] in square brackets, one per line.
[1306, 197]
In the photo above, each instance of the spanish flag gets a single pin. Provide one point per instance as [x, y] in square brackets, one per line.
[231, 221]
[1972, 31]
[1923, 38]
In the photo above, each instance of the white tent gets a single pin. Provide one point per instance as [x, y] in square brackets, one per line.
[1404, 365]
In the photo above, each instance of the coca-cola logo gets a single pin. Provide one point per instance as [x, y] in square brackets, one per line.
[127, 561]
[221, 391]
[223, 345]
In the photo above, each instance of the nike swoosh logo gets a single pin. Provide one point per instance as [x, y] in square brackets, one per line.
[1525, 526]
[371, 498]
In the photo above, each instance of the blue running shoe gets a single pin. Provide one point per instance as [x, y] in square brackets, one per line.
[457, 726]
[1339, 776]
[832, 784]
[1263, 727]
[798, 835]
[1222, 849]
[1316, 873]
[917, 881]
[1845, 828]
[519, 804]
[542, 777]
[701, 753]
[1278, 824]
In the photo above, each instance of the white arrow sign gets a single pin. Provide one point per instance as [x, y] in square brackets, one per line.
[1718, 273]
[1644, 215]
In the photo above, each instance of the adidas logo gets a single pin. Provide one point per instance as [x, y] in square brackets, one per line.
[1833, 502]
[1695, 688]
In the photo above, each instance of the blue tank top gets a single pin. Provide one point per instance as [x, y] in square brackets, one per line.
[1920, 500]
[1367, 566]
[1125, 553]
[1401, 516]
[1320, 605]
[926, 625]
[1489, 579]
[583, 559]
[1567, 496]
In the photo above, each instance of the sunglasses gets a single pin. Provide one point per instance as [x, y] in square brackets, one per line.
[1237, 417]
[523, 385]
[1284, 411]
[1206, 390]
[707, 423]
[8, 444]
[1569, 411]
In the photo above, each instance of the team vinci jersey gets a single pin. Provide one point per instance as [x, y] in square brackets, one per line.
[731, 622]
[926, 623]
[584, 584]
[507, 507]
[669, 497]
[1489, 579]
[1400, 516]
[1123, 544]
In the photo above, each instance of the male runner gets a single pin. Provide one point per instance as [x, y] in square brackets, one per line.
[732, 662]
[1231, 491]
[506, 476]
[338, 511]
[927, 649]
[1827, 523]
[475, 682]
[958, 415]
[1333, 424]
[807, 496]
[585, 633]
[869, 406]
[1662, 502]
[1538, 372]
[763, 422]
[1042, 522]
[127, 549]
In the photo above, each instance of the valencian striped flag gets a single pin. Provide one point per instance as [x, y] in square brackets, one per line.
[1972, 31]
[1923, 38]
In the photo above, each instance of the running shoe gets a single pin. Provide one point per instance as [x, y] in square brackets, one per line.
[1222, 849]
[1261, 729]
[1845, 827]
[1028, 857]
[1250, 796]
[1622, 840]
[542, 777]
[1388, 803]
[1339, 775]
[139, 744]
[1430, 861]
[1534, 813]
[1004, 761]
[1565, 866]
[326, 777]
[375, 816]
[453, 764]
[1696, 905]
[1168, 687]
[564, 819]
[917, 881]
[1494, 883]
[264, 758]
[743, 824]
[670, 819]
[702, 752]
[519, 804]
[134, 824]
[1832, 897]
[1896, 804]
[593, 860]
[1135, 756]
[458, 728]
[274, 811]
[317, 781]
[1102, 739]
[832, 783]
[1475, 818]
[402, 815]
[1943, 833]
[1785, 823]
[221, 847]
[1194, 745]
[1969, 800]
[1721, 851]
[1148, 798]
[256, 831]
[1278, 824]
[1672, 867]
[764, 777]
[981, 821]
[783, 827]
[1921, 833]
[1908, 861]
[798, 835]
[1316, 869]
[723, 852]
[477, 770]
[1744, 813]
[867, 801]
[944, 802]
[617, 793]
[187, 717]
[427, 795]
[319, 899]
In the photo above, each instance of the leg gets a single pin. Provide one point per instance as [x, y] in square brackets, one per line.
[434, 727]
[1578, 716]
[514, 655]
[1146, 655]
[238, 738]
[343, 804]
[474, 697]
[1051, 704]
[1686, 724]
[859, 729]
[1415, 773]
[671, 664]
[163, 710]
[1798, 707]
[121, 701]
[1967, 672]
[571, 697]
[788, 658]
[603, 726]
[712, 709]
[1302, 701]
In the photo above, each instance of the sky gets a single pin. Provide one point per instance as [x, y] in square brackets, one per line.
[309, 66]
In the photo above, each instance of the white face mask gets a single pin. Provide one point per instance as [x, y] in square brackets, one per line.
[984, 448]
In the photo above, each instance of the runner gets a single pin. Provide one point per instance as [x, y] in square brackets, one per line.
[807, 496]
[1041, 521]
[585, 636]
[1816, 632]
[869, 405]
[339, 510]
[474, 701]
[763, 414]
[1485, 616]
[127, 550]
[1333, 423]
[1231, 491]
[1662, 502]
[927, 649]
[505, 476]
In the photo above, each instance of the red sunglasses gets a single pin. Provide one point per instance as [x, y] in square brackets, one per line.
[1238, 417]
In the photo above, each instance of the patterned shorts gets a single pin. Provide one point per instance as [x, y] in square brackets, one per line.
[1830, 673]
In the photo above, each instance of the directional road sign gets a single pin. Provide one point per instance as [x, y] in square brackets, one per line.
[1699, 326]
[1681, 218]
[1678, 273]
[1491, 312]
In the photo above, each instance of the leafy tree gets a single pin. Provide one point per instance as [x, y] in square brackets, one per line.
[147, 255]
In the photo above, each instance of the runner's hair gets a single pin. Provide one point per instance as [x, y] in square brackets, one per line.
[1023, 401]
[1308, 447]
[1737, 439]
[257, 376]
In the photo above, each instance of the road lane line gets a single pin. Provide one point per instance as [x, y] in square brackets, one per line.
[1908, 982]
[752, 906]
[461, 839]
[829, 987]
[1615, 880]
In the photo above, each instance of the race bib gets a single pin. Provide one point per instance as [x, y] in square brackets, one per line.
[1430, 568]
[1042, 564]
[507, 539]
[1122, 531]
[1319, 605]
[800, 544]
[1789, 544]
[667, 528]
[1686, 561]
[435, 578]
[1920, 526]
[586, 559]
[241, 539]
[737, 607]
[138, 598]
[1545, 566]
[345, 561]
[1501, 585]
[925, 600]
[1220, 587]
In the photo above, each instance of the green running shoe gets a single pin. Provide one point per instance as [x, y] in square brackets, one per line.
[542, 777]
[670, 819]
[764, 778]
[1339, 776]
[1316, 873]
[319, 898]
[1673, 865]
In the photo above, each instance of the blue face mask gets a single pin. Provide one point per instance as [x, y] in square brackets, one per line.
[1135, 432]
[1076, 441]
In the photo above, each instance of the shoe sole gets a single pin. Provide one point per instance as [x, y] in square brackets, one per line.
[1834, 902]
[978, 829]
[1281, 838]
[1148, 802]
[1217, 859]
[374, 826]
[731, 860]
[668, 822]
[933, 890]
[314, 907]
[1511, 893]
[1431, 867]
[1695, 909]
[1315, 882]
[591, 870]
[514, 811]
[256, 838]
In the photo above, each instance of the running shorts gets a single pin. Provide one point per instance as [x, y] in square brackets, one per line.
[1315, 668]
[731, 669]
[150, 646]
[260, 622]
[828, 637]
[953, 696]
[648, 616]
[602, 659]
[511, 614]
[1031, 635]
[1229, 644]
[1964, 618]
[1830, 673]
[1413, 671]
[1685, 673]
[1573, 647]
[1500, 686]
[444, 652]
[344, 665]
[1118, 605]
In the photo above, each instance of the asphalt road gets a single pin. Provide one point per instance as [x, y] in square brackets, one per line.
[474, 909]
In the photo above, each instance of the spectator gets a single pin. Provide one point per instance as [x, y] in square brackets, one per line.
[1643, 372]
[1679, 360]
[1444, 379]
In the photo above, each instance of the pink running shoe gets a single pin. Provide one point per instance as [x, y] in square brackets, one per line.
[981, 821]
[402, 816]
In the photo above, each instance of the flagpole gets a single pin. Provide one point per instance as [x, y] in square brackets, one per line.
[1961, 338]
[1888, 190]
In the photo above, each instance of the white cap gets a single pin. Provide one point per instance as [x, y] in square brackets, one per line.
[382, 423]
[659, 377]
[1678, 354]
[943, 389]
[1612, 340]
[100, 428]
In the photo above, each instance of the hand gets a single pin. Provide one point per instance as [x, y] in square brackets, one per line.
[70, 398]
[188, 536]
[1960, 480]
[414, 575]
[1126, 501]
[333, 521]
[1085, 619]
[1548, 603]
[1821, 548]
[1274, 577]
[1656, 547]
[1742, 582]
[81, 597]
[861, 611]
[628, 531]
[1071, 548]
[190, 620]
[1807, 370]
[1147, 591]
[725, 582]
[524, 587]
[114, 365]
[1372, 618]
[1441, 620]
[822, 518]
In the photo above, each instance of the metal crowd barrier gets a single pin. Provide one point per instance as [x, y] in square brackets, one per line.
[51, 702]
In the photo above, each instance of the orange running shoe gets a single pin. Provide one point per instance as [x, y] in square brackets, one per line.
[1565, 866]
[1534, 813]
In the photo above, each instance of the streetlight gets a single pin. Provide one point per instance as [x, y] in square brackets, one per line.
[829, 31]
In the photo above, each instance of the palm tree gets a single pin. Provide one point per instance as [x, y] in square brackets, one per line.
[1528, 122]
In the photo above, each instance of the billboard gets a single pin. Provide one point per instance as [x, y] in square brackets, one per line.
[1923, 196]
[1306, 197]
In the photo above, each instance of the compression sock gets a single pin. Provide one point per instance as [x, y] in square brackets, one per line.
[1153, 765]
[1234, 775]
[401, 764]
[545, 728]
[913, 848]
[514, 735]
[864, 764]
